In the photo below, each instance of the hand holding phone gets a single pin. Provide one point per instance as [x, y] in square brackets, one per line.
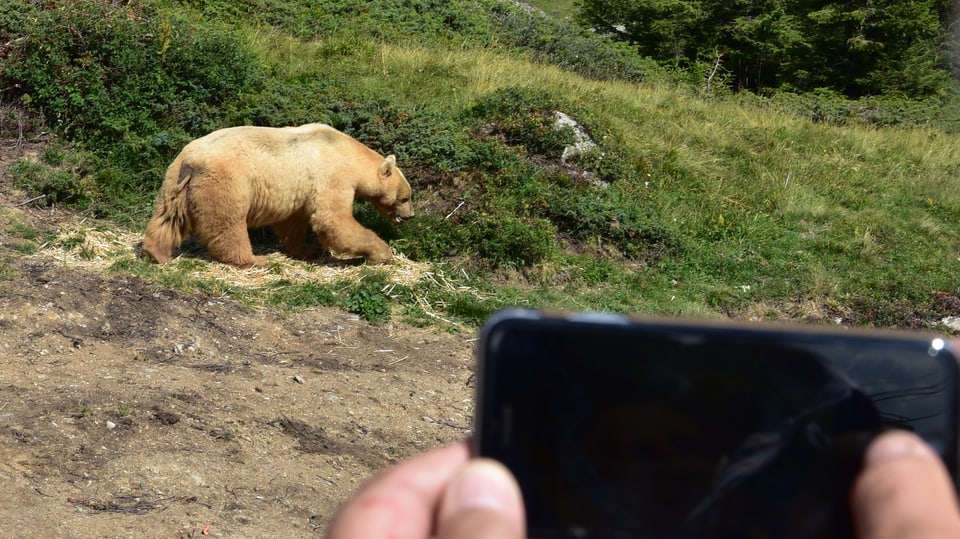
[617, 427]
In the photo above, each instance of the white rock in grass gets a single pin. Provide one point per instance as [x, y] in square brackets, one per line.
[581, 140]
[952, 322]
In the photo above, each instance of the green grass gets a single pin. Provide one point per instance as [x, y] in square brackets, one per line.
[715, 205]
[557, 8]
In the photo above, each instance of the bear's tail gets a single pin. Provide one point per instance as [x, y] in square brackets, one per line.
[170, 224]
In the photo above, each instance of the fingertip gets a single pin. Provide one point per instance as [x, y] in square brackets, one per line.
[484, 484]
[402, 500]
[482, 500]
[894, 445]
[904, 491]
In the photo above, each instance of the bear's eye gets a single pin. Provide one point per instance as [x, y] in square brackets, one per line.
[404, 200]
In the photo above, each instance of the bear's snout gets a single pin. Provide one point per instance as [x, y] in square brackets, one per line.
[403, 213]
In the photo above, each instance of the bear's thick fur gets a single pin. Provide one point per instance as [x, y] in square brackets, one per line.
[290, 178]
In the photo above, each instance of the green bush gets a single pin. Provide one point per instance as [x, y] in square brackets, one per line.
[101, 73]
[494, 241]
[131, 83]
[635, 232]
[609, 163]
[431, 237]
[425, 138]
[282, 100]
[522, 116]
[509, 241]
[388, 20]
[57, 178]
[593, 271]
[368, 300]
[417, 134]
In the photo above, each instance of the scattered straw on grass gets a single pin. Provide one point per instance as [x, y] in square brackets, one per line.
[80, 245]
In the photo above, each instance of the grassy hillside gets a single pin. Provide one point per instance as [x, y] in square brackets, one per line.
[557, 8]
[695, 203]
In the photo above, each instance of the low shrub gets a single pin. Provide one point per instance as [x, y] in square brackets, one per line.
[129, 82]
[509, 241]
[100, 73]
[418, 134]
[368, 300]
[634, 231]
[431, 237]
[522, 116]
[58, 177]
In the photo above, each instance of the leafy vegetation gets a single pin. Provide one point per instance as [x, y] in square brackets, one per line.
[368, 297]
[58, 177]
[558, 8]
[133, 83]
[855, 47]
[694, 201]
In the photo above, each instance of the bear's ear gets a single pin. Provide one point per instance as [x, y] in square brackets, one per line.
[386, 169]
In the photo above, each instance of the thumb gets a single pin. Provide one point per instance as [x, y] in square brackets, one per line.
[904, 492]
[482, 501]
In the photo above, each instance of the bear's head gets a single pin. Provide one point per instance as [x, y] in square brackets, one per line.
[395, 198]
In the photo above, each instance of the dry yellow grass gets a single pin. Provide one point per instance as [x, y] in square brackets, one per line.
[81, 245]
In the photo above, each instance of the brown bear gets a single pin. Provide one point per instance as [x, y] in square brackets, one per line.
[288, 178]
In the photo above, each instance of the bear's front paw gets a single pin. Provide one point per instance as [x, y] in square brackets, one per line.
[379, 256]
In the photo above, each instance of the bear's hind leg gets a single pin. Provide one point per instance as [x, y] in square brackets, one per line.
[293, 235]
[231, 245]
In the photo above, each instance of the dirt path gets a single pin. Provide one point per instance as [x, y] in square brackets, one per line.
[127, 410]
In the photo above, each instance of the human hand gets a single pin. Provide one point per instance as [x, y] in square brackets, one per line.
[442, 494]
[904, 492]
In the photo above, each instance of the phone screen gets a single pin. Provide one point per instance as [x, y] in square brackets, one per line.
[618, 428]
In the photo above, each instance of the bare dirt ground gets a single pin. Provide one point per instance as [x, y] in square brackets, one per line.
[129, 410]
[132, 410]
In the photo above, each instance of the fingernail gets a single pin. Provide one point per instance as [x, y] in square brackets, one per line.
[483, 484]
[895, 445]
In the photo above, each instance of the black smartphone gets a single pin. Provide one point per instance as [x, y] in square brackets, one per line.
[617, 427]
